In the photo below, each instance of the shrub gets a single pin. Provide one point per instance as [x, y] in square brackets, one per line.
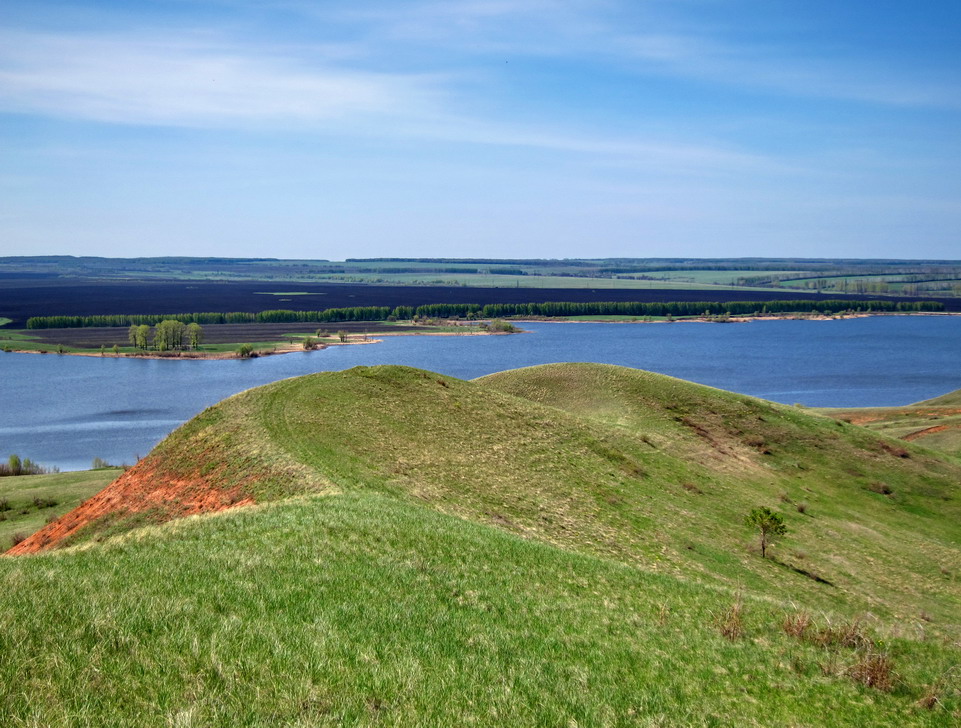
[244, 351]
[796, 625]
[731, 623]
[874, 670]
[846, 635]
[500, 327]
[18, 537]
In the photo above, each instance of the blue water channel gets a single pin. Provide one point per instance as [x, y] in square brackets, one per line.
[65, 410]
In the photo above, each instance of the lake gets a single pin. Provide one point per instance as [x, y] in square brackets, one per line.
[65, 410]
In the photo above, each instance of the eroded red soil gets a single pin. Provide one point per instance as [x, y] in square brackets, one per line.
[140, 490]
[928, 431]
[869, 417]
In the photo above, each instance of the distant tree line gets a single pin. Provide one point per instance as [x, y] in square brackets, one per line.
[16, 466]
[491, 310]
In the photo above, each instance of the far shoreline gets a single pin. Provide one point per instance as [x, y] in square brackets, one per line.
[256, 354]
[360, 339]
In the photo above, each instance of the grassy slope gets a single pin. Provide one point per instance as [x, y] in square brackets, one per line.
[951, 399]
[933, 423]
[66, 489]
[363, 609]
[741, 452]
[364, 605]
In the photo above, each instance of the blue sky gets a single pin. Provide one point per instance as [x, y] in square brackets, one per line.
[530, 128]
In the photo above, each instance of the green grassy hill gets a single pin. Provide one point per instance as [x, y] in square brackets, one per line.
[951, 399]
[550, 546]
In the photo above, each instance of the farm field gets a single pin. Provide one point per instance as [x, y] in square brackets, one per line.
[21, 299]
[682, 283]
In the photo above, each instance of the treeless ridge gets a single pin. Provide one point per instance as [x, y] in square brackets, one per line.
[142, 489]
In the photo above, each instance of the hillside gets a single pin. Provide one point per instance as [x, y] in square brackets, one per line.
[933, 423]
[554, 544]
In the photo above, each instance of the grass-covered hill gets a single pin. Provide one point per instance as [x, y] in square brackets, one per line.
[933, 423]
[550, 546]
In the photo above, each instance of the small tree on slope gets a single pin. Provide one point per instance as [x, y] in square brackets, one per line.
[769, 524]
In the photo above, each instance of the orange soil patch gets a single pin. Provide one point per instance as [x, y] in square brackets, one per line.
[928, 431]
[866, 418]
[139, 489]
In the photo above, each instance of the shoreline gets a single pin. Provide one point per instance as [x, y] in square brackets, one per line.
[293, 348]
[736, 319]
[229, 355]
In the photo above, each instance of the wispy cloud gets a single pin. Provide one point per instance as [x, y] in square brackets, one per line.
[662, 38]
[192, 80]
[199, 80]
[785, 72]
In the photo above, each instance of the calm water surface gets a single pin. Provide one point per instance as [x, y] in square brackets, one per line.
[66, 410]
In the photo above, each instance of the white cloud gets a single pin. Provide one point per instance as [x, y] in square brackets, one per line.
[190, 81]
[196, 80]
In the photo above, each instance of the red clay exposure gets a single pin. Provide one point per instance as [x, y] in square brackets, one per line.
[140, 489]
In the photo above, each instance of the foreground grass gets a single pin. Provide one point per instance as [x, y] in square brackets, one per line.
[360, 609]
[30, 501]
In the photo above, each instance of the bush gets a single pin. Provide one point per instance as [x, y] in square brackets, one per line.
[796, 625]
[731, 623]
[500, 327]
[874, 670]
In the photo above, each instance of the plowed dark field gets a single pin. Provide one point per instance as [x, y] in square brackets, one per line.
[20, 299]
[94, 337]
